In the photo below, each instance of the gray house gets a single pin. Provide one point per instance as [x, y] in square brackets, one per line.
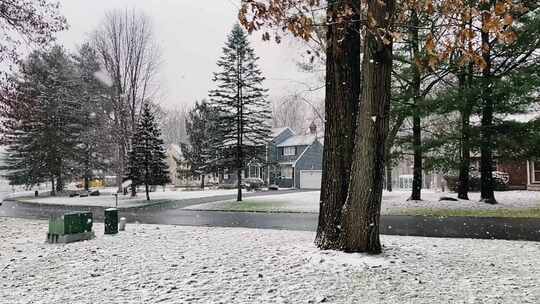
[291, 161]
[295, 161]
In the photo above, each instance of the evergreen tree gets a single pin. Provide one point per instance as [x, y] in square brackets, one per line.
[243, 111]
[201, 132]
[95, 140]
[146, 159]
[41, 123]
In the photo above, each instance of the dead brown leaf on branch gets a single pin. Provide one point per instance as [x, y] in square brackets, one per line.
[296, 17]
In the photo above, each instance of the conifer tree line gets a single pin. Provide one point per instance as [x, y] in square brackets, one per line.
[67, 116]
[232, 128]
[54, 119]
[57, 123]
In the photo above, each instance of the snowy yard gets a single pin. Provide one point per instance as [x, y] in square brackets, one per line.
[168, 264]
[107, 199]
[393, 202]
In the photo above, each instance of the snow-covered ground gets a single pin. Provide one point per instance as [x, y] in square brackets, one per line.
[392, 202]
[167, 264]
[107, 199]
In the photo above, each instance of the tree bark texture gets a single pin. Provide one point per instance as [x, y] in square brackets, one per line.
[361, 214]
[486, 130]
[465, 159]
[416, 113]
[343, 84]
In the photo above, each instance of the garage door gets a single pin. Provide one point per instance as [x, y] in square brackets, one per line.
[310, 179]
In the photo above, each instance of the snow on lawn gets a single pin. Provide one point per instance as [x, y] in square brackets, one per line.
[393, 202]
[291, 202]
[108, 199]
[167, 264]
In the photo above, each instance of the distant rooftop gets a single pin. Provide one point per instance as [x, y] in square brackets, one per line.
[298, 140]
[276, 131]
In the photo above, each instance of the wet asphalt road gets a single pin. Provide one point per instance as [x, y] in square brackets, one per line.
[172, 214]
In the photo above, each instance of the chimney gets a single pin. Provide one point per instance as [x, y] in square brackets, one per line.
[313, 128]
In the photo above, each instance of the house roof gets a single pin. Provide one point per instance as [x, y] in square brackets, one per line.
[298, 140]
[275, 132]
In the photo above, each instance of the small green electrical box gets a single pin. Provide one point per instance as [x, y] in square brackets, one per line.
[70, 227]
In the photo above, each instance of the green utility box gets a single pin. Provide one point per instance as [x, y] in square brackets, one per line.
[111, 221]
[70, 227]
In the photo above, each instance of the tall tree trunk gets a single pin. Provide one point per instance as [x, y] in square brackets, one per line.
[239, 186]
[465, 159]
[240, 127]
[465, 162]
[363, 206]
[133, 188]
[487, 194]
[391, 137]
[416, 194]
[120, 167]
[202, 181]
[388, 173]
[60, 183]
[86, 182]
[146, 188]
[417, 127]
[341, 100]
[53, 189]
[465, 79]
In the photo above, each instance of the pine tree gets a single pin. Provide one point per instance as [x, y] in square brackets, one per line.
[95, 140]
[41, 125]
[240, 99]
[201, 132]
[146, 159]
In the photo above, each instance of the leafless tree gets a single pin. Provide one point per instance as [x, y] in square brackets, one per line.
[297, 112]
[130, 58]
[289, 112]
[173, 124]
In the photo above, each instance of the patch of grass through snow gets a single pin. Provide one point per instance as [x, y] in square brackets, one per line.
[251, 205]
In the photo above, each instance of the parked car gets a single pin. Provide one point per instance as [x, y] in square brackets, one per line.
[252, 184]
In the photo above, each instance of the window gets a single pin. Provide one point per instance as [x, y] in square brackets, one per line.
[536, 172]
[287, 151]
[286, 172]
[405, 181]
[254, 171]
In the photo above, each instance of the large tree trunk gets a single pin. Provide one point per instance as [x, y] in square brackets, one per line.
[417, 127]
[362, 208]
[147, 190]
[202, 181]
[417, 158]
[487, 194]
[465, 160]
[342, 94]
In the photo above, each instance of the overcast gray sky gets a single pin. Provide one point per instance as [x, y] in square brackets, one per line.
[191, 34]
